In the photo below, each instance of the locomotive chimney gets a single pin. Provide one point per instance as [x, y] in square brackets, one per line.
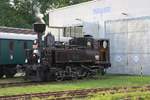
[39, 28]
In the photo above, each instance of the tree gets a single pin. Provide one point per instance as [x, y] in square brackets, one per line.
[10, 17]
[21, 13]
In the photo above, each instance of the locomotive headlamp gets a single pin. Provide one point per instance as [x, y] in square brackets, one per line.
[88, 43]
[39, 60]
[96, 57]
[36, 52]
[35, 41]
[39, 27]
[34, 55]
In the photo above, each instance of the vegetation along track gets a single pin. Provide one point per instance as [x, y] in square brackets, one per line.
[63, 95]
[13, 84]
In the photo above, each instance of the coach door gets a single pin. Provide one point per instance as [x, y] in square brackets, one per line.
[0, 51]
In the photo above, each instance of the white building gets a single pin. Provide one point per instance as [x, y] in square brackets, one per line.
[125, 22]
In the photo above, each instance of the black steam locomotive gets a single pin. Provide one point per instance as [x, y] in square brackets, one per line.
[82, 57]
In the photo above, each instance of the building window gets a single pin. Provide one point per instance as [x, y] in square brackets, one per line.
[25, 45]
[11, 45]
[75, 31]
[78, 31]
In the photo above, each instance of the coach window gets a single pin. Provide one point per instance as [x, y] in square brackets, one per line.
[11, 45]
[25, 45]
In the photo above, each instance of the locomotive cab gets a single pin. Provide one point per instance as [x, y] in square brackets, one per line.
[83, 42]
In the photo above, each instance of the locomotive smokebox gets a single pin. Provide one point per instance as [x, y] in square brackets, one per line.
[39, 27]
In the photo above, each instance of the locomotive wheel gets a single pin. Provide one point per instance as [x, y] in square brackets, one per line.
[46, 75]
[103, 71]
[9, 75]
[87, 74]
[58, 76]
[1, 73]
[10, 72]
[78, 76]
[74, 76]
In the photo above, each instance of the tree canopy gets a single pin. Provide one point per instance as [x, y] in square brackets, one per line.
[21, 13]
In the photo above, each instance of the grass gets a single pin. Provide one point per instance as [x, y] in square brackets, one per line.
[122, 96]
[102, 82]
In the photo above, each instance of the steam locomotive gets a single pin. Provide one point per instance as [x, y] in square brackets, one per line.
[80, 57]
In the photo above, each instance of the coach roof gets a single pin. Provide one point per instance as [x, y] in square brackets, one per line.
[17, 33]
[16, 30]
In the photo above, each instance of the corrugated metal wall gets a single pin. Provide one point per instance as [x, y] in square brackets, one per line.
[130, 45]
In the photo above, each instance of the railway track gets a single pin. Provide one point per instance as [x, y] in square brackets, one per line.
[19, 84]
[4, 85]
[24, 83]
[67, 95]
